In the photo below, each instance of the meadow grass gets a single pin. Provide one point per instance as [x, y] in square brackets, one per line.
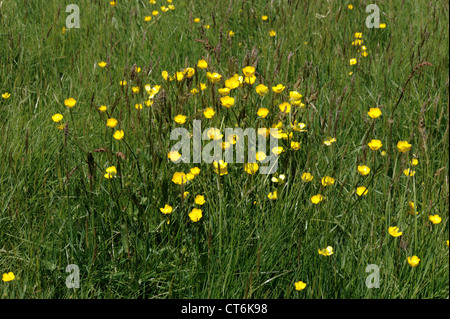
[57, 208]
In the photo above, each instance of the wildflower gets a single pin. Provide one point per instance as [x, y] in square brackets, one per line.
[233, 82]
[202, 64]
[185, 194]
[8, 276]
[213, 77]
[327, 180]
[113, 3]
[174, 156]
[262, 112]
[102, 108]
[138, 106]
[326, 251]
[295, 145]
[299, 127]
[102, 64]
[394, 231]
[414, 162]
[251, 168]
[278, 89]
[358, 35]
[272, 33]
[194, 91]
[167, 209]
[411, 208]
[110, 172]
[383, 153]
[227, 101]
[180, 76]
[165, 75]
[179, 178]
[435, 219]
[111, 122]
[189, 72]
[249, 71]
[180, 119]
[231, 33]
[155, 13]
[70, 102]
[164, 9]
[362, 191]
[118, 135]
[403, 146]
[190, 176]
[206, 26]
[278, 179]
[329, 141]
[195, 215]
[199, 199]
[413, 261]
[353, 61]
[375, 144]
[250, 80]
[307, 177]
[316, 199]
[299, 285]
[409, 172]
[264, 131]
[260, 156]
[273, 195]
[285, 107]
[149, 102]
[277, 150]
[209, 112]
[261, 89]
[382, 25]
[363, 170]
[57, 118]
[374, 112]
[264, 18]
[214, 134]
[195, 171]
[6, 95]
[224, 91]
[197, 20]
[295, 96]
[147, 18]
[220, 167]
[350, 7]
[135, 89]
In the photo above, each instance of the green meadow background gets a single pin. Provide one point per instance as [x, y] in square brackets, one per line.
[56, 207]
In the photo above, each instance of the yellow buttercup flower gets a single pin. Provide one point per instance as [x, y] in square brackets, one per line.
[224, 91]
[273, 195]
[277, 150]
[213, 77]
[353, 61]
[195, 215]
[214, 133]
[409, 172]
[272, 33]
[299, 127]
[138, 106]
[233, 82]
[195, 171]
[327, 180]
[220, 167]
[189, 72]
[147, 18]
[278, 88]
[329, 141]
[102, 64]
[180, 119]
[394, 231]
[414, 162]
[6, 95]
[295, 145]
[165, 75]
[260, 156]
[155, 13]
[316, 199]
[413, 261]
[110, 172]
[197, 20]
[250, 80]
[363, 170]
[285, 107]
[350, 7]
[202, 64]
[375, 144]
[209, 112]
[251, 168]
[8, 276]
[299, 285]
[167, 209]
[118, 135]
[261, 89]
[374, 112]
[199, 199]
[382, 25]
[326, 251]
[135, 89]
[123, 83]
[180, 76]
[70, 102]
[264, 18]
[307, 177]
[102, 108]
[179, 178]
[435, 219]
[249, 71]
[262, 112]
[174, 156]
[227, 101]
[111, 122]
[57, 118]
[403, 146]
[362, 191]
